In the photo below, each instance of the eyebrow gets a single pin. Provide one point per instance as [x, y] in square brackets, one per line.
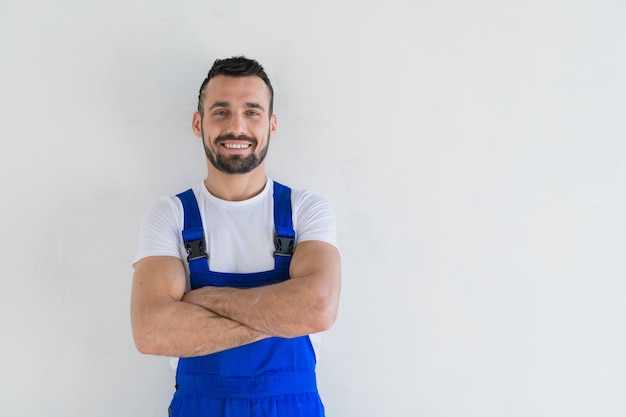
[254, 106]
[226, 104]
[219, 104]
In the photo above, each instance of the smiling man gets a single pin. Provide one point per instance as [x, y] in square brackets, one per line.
[241, 151]
[236, 275]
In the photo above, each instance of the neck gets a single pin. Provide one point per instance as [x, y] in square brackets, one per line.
[237, 187]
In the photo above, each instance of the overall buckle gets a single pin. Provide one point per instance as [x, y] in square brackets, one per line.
[196, 249]
[284, 245]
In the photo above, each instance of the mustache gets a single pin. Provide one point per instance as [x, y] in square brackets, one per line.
[224, 138]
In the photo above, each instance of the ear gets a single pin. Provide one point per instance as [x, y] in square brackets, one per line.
[272, 125]
[196, 124]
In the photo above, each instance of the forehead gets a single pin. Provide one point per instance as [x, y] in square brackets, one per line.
[233, 90]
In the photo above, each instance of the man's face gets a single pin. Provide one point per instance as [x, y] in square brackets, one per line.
[236, 126]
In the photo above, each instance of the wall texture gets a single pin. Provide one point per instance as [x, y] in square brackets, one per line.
[474, 153]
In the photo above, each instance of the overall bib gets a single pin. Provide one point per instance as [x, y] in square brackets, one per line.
[271, 377]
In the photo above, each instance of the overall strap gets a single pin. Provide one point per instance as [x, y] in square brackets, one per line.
[284, 235]
[193, 233]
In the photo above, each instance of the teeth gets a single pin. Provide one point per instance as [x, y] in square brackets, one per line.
[236, 146]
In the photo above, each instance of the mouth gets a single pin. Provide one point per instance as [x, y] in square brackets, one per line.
[236, 145]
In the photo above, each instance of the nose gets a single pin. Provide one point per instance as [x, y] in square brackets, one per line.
[238, 125]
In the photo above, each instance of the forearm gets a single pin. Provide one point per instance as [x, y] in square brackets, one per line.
[176, 328]
[165, 325]
[307, 303]
[278, 309]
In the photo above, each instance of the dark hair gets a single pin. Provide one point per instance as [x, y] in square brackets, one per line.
[237, 66]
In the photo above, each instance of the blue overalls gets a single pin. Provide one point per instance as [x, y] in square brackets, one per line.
[271, 377]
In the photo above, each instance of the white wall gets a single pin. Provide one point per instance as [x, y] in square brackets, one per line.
[474, 153]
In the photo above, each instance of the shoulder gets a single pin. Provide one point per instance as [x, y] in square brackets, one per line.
[168, 213]
[159, 232]
[167, 209]
[304, 199]
[309, 200]
[307, 203]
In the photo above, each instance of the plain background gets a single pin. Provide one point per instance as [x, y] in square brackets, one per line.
[473, 152]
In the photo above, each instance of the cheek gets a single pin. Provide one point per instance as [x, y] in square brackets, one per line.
[211, 130]
[263, 128]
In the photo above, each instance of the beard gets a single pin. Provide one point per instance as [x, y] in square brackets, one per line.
[234, 164]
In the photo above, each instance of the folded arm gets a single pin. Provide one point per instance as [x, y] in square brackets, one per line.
[307, 303]
[164, 324]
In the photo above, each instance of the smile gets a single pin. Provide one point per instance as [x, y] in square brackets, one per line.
[236, 145]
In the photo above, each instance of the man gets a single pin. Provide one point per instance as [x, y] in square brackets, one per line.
[233, 275]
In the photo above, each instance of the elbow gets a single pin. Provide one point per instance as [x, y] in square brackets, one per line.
[148, 344]
[144, 337]
[143, 343]
[317, 317]
[326, 305]
[324, 310]
[148, 331]
[144, 346]
[325, 314]
[327, 319]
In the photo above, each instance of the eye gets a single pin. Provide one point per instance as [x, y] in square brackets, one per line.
[220, 113]
[253, 113]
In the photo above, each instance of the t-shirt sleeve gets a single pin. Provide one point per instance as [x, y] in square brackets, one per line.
[160, 230]
[314, 219]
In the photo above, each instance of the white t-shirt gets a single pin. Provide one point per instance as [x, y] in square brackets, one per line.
[239, 234]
